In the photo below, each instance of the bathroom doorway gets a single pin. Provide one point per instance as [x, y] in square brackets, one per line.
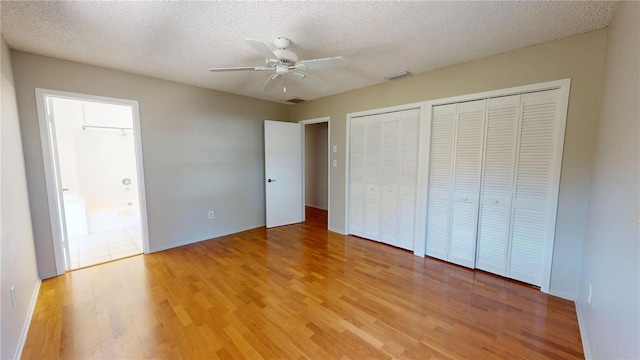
[95, 163]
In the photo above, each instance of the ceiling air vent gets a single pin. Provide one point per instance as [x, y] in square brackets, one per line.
[397, 76]
[296, 100]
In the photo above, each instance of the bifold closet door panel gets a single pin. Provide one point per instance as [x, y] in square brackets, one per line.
[497, 183]
[357, 176]
[532, 216]
[410, 139]
[467, 165]
[439, 182]
[391, 142]
[373, 177]
[383, 172]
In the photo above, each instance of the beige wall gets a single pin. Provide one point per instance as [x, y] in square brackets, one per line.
[316, 165]
[17, 254]
[202, 150]
[580, 58]
[611, 263]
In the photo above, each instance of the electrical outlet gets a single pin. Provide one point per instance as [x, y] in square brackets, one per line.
[589, 297]
[211, 214]
[13, 295]
[335, 163]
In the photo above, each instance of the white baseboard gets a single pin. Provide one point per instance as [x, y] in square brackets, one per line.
[562, 294]
[213, 236]
[48, 275]
[27, 321]
[341, 232]
[317, 207]
[583, 332]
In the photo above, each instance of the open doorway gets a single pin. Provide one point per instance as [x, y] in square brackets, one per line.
[316, 170]
[95, 163]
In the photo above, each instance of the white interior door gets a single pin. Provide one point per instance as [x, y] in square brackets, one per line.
[357, 176]
[390, 177]
[497, 184]
[409, 164]
[283, 172]
[373, 177]
[440, 174]
[533, 218]
[467, 161]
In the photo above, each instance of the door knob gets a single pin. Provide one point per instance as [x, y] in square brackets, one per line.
[495, 201]
[271, 180]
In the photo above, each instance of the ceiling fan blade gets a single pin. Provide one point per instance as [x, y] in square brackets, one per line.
[312, 80]
[240, 68]
[262, 49]
[326, 63]
[271, 83]
[298, 76]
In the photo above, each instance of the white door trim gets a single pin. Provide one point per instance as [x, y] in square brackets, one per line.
[47, 154]
[564, 86]
[326, 119]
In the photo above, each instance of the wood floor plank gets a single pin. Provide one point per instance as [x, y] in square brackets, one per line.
[295, 292]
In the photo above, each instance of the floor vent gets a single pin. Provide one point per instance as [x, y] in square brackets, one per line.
[296, 100]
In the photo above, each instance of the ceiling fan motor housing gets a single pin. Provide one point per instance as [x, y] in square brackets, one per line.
[286, 57]
[282, 43]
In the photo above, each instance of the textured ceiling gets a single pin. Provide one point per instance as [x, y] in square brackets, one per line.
[180, 40]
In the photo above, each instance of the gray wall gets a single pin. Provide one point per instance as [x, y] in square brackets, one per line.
[17, 254]
[316, 173]
[611, 263]
[202, 150]
[580, 58]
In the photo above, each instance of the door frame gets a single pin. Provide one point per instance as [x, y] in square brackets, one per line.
[326, 119]
[58, 232]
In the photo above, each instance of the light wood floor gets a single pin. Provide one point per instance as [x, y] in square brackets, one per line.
[295, 292]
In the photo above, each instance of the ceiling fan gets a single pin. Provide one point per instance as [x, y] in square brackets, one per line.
[283, 62]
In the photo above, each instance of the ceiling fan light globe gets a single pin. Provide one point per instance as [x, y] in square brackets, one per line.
[282, 70]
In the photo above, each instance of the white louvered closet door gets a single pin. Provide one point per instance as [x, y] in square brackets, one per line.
[497, 184]
[383, 173]
[532, 218]
[373, 177]
[440, 168]
[467, 164]
[357, 176]
[410, 139]
[390, 176]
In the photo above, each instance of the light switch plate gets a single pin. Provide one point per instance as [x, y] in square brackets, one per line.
[335, 163]
[335, 148]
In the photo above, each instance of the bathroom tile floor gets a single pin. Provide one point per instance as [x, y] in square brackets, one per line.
[91, 249]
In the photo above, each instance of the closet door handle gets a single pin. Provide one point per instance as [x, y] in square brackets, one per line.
[495, 201]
